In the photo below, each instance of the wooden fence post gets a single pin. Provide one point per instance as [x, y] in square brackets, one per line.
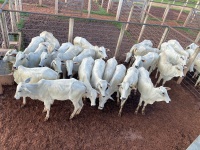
[109, 5]
[144, 11]
[102, 3]
[40, 2]
[197, 5]
[130, 15]
[66, 1]
[165, 14]
[56, 6]
[12, 17]
[89, 7]
[197, 38]
[180, 13]
[142, 30]
[4, 29]
[20, 5]
[188, 17]
[17, 8]
[164, 36]
[120, 38]
[191, 60]
[119, 9]
[71, 29]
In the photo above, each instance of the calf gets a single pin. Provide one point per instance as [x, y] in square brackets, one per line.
[117, 78]
[110, 69]
[49, 90]
[149, 94]
[96, 79]
[33, 45]
[10, 56]
[84, 73]
[129, 83]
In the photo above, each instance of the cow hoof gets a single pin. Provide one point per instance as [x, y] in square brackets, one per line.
[46, 119]
[22, 106]
[44, 111]
[143, 113]
[120, 114]
[71, 117]
[136, 113]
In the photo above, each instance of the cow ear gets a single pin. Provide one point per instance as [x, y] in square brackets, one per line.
[27, 80]
[167, 88]
[77, 63]
[111, 98]
[108, 84]
[108, 50]
[14, 55]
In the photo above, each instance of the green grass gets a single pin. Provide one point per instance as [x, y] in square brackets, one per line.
[101, 11]
[191, 3]
[1, 1]
[189, 31]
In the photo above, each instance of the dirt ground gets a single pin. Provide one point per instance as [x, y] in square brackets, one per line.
[165, 126]
[170, 126]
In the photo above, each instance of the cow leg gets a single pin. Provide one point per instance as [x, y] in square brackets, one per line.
[143, 109]
[118, 97]
[47, 106]
[24, 102]
[139, 104]
[156, 73]
[76, 107]
[121, 107]
[160, 77]
[44, 110]
[81, 104]
[163, 82]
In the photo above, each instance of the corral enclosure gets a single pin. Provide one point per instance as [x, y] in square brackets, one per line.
[165, 126]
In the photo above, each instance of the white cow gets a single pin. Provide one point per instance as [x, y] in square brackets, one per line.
[30, 60]
[96, 79]
[48, 37]
[117, 78]
[148, 61]
[129, 83]
[145, 43]
[70, 53]
[84, 73]
[49, 90]
[64, 47]
[36, 74]
[192, 46]
[172, 56]
[167, 70]
[178, 48]
[110, 69]
[150, 94]
[10, 56]
[100, 51]
[33, 45]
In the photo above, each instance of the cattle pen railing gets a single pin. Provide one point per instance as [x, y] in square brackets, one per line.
[114, 35]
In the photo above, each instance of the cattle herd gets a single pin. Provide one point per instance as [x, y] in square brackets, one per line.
[38, 69]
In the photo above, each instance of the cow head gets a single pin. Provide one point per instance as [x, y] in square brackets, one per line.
[69, 67]
[163, 95]
[22, 90]
[92, 95]
[102, 86]
[21, 59]
[44, 58]
[125, 90]
[10, 56]
[56, 65]
[128, 57]
[103, 100]
[178, 72]
[101, 52]
[137, 62]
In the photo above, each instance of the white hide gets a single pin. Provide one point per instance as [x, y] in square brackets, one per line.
[192, 46]
[70, 53]
[117, 78]
[64, 47]
[84, 74]
[167, 70]
[129, 83]
[100, 51]
[148, 61]
[110, 69]
[48, 37]
[49, 90]
[10, 56]
[172, 56]
[97, 73]
[178, 48]
[30, 60]
[149, 94]
[33, 45]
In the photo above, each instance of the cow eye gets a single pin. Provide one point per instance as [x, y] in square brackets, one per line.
[45, 58]
[22, 58]
[163, 93]
[19, 91]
